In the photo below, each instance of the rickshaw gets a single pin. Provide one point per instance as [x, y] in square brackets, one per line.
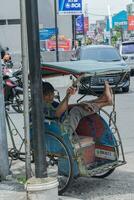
[95, 149]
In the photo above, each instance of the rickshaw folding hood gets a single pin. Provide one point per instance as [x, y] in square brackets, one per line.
[88, 67]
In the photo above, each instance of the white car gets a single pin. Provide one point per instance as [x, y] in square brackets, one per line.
[127, 53]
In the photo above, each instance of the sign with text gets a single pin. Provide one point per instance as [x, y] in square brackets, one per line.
[119, 20]
[46, 33]
[70, 7]
[130, 23]
[64, 45]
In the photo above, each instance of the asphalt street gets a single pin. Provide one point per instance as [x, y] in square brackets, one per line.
[119, 185]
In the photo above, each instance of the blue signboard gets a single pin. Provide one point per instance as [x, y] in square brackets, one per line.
[79, 24]
[119, 20]
[71, 7]
[47, 33]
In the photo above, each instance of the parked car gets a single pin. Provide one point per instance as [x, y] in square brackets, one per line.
[103, 54]
[127, 53]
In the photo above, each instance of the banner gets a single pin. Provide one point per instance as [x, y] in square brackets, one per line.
[47, 33]
[130, 23]
[118, 20]
[79, 24]
[86, 25]
[70, 7]
[63, 45]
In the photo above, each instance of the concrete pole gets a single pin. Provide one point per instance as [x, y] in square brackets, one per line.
[36, 88]
[25, 65]
[4, 162]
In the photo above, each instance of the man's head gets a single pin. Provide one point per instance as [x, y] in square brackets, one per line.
[48, 92]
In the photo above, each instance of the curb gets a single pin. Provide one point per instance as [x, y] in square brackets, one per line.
[67, 198]
[6, 195]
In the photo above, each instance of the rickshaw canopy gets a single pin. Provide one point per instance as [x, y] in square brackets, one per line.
[77, 68]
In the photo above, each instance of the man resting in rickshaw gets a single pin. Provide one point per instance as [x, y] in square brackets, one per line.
[77, 111]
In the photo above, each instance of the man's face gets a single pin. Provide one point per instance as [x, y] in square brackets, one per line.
[49, 97]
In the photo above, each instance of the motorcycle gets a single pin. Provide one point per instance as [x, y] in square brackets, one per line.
[13, 92]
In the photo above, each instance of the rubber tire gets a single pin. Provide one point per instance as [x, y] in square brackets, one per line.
[126, 89]
[70, 178]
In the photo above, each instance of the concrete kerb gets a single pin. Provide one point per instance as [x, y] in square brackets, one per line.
[12, 195]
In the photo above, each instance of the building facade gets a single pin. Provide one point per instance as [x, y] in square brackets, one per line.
[10, 32]
[10, 25]
[130, 9]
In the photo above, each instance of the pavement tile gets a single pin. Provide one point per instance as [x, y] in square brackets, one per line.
[12, 195]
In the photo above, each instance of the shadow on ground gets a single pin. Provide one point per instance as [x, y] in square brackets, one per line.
[119, 183]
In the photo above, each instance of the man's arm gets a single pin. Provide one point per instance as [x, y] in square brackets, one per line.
[63, 106]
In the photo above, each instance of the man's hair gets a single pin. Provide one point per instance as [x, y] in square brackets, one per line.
[47, 88]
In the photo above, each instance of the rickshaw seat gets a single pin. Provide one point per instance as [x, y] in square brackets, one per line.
[95, 126]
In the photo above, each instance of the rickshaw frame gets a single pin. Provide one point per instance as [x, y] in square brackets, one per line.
[81, 69]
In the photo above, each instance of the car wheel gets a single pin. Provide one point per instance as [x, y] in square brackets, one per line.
[126, 89]
[132, 73]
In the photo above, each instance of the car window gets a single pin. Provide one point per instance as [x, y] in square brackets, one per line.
[100, 54]
[127, 48]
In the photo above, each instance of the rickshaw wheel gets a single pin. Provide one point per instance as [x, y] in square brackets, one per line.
[58, 156]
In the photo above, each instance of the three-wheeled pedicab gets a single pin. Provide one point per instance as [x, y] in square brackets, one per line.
[95, 149]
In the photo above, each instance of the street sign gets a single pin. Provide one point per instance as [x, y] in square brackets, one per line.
[47, 33]
[70, 7]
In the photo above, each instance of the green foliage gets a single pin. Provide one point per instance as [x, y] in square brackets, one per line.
[114, 39]
[22, 179]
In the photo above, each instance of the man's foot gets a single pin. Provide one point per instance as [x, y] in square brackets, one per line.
[105, 99]
[107, 95]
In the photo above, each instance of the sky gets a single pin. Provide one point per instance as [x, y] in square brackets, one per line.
[100, 7]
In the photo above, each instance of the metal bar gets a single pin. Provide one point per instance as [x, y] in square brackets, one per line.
[25, 64]
[56, 29]
[10, 130]
[116, 131]
[73, 32]
[36, 88]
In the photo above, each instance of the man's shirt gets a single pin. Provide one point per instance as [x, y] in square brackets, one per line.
[50, 109]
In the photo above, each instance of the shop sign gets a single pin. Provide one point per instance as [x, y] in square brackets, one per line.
[70, 7]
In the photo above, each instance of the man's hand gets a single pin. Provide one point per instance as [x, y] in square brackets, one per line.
[71, 90]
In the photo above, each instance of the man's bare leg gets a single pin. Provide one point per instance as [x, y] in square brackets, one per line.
[105, 97]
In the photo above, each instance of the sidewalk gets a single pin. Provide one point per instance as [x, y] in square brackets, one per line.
[11, 189]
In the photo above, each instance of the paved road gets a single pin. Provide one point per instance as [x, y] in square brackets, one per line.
[120, 184]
